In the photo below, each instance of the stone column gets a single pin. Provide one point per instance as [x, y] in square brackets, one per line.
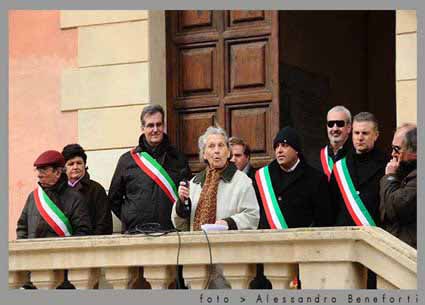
[239, 275]
[332, 275]
[381, 283]
[280, 275]
[17, 279]
[47, 279]
[196, 276]
[84, 278]
[120, 277]
[160, 277]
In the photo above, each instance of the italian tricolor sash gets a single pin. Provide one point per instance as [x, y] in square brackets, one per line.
[157, 173]
[271, 207]
[327, 162]
[352, 200]
[51, 213]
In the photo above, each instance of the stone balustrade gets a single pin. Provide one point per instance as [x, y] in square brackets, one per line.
[325, 258]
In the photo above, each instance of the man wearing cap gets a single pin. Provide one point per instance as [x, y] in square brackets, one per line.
[338, 127]
[290, 192]
[143, 187]
[95, 195]
[53, 209]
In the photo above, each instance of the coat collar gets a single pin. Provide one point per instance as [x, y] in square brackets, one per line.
[373, 160]
[227, 175]
[282, 180]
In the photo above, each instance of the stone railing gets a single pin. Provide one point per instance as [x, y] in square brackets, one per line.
[328, 258]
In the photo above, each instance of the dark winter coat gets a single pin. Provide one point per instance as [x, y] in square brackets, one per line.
[398, 202]
[98, 205]
[365, 170]
[302, 195]
[32, 225]
[136, 199]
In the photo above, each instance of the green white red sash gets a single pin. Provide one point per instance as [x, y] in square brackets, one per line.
[51, 213]
[352, 200]
[157, 173]
[327, 162]
[271, 207]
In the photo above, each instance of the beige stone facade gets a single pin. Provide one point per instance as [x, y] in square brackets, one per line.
[406, 66]
[121, 68]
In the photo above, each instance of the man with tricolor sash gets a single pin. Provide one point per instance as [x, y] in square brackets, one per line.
[338, 125]
[355, 180]
[290, 192]
[53, 209]
[143, 187]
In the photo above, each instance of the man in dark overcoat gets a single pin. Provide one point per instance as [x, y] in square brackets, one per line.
[290, 192]
[354, 182]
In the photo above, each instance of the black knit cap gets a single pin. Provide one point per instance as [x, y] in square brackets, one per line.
[74, 150]
[289, 136]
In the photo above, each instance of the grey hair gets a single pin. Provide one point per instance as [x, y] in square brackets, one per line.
[340, 108]
[202, 141]
[366, 117]
[149, 110]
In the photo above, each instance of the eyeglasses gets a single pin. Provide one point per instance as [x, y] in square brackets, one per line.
[153, 125]
[339, 123]
[396, 149]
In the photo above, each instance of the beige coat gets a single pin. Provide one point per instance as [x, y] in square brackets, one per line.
[235, 198]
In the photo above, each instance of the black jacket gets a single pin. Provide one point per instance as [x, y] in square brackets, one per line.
[365, 170]
[71, 203]
[136, 199]
[98, 205]
[398, 209]
[303, 196]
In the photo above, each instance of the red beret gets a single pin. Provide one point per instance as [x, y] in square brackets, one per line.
[50, 157]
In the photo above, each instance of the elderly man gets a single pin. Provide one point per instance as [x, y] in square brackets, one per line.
[338, 130]
[143, 188]
[398, 188]
[291, 193]
[95, 195]
[241, 154]
[53, 209]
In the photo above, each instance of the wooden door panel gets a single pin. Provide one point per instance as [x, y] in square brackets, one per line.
[243, 121]
[196, 66]
[237, 17]
[246, 65]
[223, 68]
[192, 124]
[195, 19]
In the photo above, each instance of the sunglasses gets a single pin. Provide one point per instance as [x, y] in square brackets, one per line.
[339, 123]
[396, 149]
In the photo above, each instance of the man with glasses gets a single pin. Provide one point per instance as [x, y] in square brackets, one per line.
[355, 179]
[398, 188]
[53, 209]
[143, 187]
[338, 130]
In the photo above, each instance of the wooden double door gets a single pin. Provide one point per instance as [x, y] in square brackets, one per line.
[222, 69]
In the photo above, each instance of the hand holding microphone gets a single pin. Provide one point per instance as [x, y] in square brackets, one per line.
[184, 195]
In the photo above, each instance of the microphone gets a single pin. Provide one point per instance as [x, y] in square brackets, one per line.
[187, 203]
